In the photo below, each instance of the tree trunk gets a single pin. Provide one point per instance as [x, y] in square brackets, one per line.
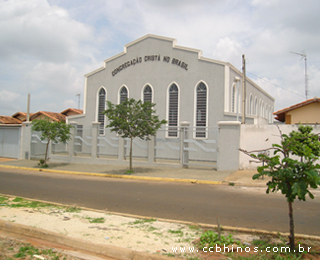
[46, 155]
[130, 154]
[291, 236]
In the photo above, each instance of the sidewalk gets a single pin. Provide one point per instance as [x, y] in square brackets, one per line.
[194, 175]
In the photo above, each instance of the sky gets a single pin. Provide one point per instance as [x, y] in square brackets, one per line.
[47, 46]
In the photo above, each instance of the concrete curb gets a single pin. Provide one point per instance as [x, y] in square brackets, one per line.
[144, 178]
[97, 249]
[114, 251]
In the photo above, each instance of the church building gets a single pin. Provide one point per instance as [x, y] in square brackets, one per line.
[184, 85]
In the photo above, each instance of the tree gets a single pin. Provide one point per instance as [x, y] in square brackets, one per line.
[292, 168]
[131, 119]
[51, 131]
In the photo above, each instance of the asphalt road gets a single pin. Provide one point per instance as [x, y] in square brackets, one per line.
[199, 203]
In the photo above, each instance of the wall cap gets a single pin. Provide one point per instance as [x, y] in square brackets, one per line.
[229, 123]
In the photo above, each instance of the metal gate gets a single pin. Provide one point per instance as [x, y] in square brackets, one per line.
[10, 141]
[200, 146]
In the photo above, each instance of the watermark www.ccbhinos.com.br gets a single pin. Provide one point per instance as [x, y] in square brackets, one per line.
[229, 249]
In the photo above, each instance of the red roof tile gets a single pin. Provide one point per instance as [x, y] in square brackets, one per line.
[75, 110]
[280, 114]
[9, 120]
[51, 115]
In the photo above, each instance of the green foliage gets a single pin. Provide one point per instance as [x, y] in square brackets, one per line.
[42, 164]
[56, 131]
[129, 172]
[210, 239]
[51, 131]
[292, 168]
[96, 220]
[22, 203]
[131, 119]
[143, 221]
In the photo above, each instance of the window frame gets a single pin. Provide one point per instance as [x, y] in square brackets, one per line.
[168, 110]
[101, 126]
[152, 92]
[119, 93]
[196, 109]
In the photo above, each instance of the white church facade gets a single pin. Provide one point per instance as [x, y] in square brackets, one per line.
[184, 85]
[191, 92]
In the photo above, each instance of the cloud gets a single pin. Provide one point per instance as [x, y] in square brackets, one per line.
[36, 30]
[10, 102]
[46, 46]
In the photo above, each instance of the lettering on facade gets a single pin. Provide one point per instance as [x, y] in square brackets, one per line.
[148, 58]
[126, 65]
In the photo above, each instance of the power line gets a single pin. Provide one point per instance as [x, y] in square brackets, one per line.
[275, 85]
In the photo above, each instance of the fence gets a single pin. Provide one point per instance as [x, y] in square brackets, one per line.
[217, 148]
[86, 145]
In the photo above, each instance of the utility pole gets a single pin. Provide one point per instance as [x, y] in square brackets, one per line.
[28, 108]
[305, 71]
[243, 89]
[78, 95]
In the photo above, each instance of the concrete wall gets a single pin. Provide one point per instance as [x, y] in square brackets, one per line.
[228, 156]
[259, 137]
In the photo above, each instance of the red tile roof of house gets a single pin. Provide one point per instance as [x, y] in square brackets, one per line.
[280, 114]
[9, 120]
[75, 110]
[19, 113]
[14, 119]
[24, 115]
[51, 115]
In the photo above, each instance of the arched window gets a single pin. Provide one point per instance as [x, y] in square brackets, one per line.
[256, 106]
[233, 101]
[261, 108]
[101, 108]
[123, 94]
[173, 110]
[266, 113]
[147, 94]
[201, 110]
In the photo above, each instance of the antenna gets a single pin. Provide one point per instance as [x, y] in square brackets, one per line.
[305, 70]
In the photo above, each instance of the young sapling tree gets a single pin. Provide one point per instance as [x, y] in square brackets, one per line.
[131, 119]
[293, 168]
[51, 131]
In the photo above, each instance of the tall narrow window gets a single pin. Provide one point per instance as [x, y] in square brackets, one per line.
[250, 105]
[201, 110]
[233, 101]
[147, 94]
[101, 108]
[173, 111]
[256, 106]
[123, 94]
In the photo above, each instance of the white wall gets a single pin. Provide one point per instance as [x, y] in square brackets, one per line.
[259, 137]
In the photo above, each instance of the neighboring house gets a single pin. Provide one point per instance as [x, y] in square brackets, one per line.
[52, 116]
[184, 85]
[8, 120]
[306, 112]
[19, 117]
[72, 111]
[11, 129]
